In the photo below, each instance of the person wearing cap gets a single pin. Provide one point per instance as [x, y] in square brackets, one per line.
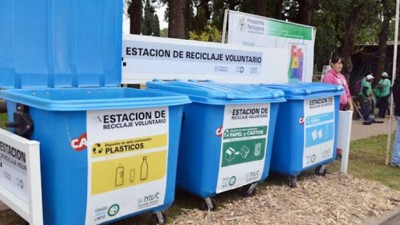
[384, 87]
[366, 98]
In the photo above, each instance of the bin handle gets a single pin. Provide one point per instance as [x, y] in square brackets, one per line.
[308, 92]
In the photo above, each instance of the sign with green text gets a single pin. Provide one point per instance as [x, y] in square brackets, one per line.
[243, 145]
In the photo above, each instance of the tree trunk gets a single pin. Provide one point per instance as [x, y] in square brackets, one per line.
[261, 7]
[278, 9]
[305, 12]
[176, 23]
[135, 14]
[348, 41]
[383, 37]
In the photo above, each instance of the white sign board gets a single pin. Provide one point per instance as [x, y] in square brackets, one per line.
[296, 39]
[148, 58]
[243, 145]
[20, 180]
[128, 164]
[319, 130]
[344, 137]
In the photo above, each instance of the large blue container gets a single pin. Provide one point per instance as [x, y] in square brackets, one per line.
[106, 152]
[93, 144]
[215, 155]
[306, 127]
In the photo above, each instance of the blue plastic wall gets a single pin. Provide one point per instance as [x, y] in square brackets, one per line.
[60, 43]
[64, 172]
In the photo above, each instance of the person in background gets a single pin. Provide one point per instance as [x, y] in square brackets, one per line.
[334, 76]
[396, 144]
[366, 99]
[384, 87]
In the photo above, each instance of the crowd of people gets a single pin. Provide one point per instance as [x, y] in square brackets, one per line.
[369, 97]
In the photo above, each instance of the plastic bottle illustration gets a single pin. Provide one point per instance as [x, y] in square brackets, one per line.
[119, 176]
[132, 175]
[257, 149]
[144, 169]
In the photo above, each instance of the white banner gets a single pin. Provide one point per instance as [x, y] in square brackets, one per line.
[296, 39]
[148, 58]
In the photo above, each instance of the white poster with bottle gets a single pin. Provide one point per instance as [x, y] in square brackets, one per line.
[319, 130]
[243, 145]
[127, 161]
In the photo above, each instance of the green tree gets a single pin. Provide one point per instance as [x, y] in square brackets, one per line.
[211, 34]
[164, 32]
[387, 13]
[342, 25]
[151, 24]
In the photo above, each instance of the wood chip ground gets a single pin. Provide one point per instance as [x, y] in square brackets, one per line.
[331, 200]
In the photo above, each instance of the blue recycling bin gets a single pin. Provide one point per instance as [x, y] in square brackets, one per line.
[226, 137]
[106, 152]
[306, 131]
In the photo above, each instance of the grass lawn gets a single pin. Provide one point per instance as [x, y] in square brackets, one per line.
[367, 160]
[3, 120]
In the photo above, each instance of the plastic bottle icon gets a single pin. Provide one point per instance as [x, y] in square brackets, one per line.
[144, 169]
[257, 149]
[119, 176]
[132, 175]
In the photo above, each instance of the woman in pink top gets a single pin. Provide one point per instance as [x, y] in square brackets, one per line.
[333, 76]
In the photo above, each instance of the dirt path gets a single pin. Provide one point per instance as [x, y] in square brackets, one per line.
[360, 131]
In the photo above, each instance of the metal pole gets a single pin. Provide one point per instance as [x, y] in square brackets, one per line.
[224, 26]
[396, 34]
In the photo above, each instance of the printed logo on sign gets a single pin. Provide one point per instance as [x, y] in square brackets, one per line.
[79, 143]
[242, 24]
[252, 176]
[218, 132]
[251, 25]
[100, 213]
[149, 200]
[232, 181]
[113, 210]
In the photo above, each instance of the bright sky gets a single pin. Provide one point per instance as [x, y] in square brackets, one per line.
[160, 14]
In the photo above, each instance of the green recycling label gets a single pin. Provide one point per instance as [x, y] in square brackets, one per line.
[243, 145]
[240, 147]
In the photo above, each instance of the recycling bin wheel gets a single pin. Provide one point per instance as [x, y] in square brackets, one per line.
[293, 181]
[209, 204]
[158, 218]
[321, 170]
[249, 190]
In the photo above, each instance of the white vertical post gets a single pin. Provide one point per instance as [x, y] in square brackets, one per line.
[396, 36]
[224, 25]
[35, 181]
[344, 137]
